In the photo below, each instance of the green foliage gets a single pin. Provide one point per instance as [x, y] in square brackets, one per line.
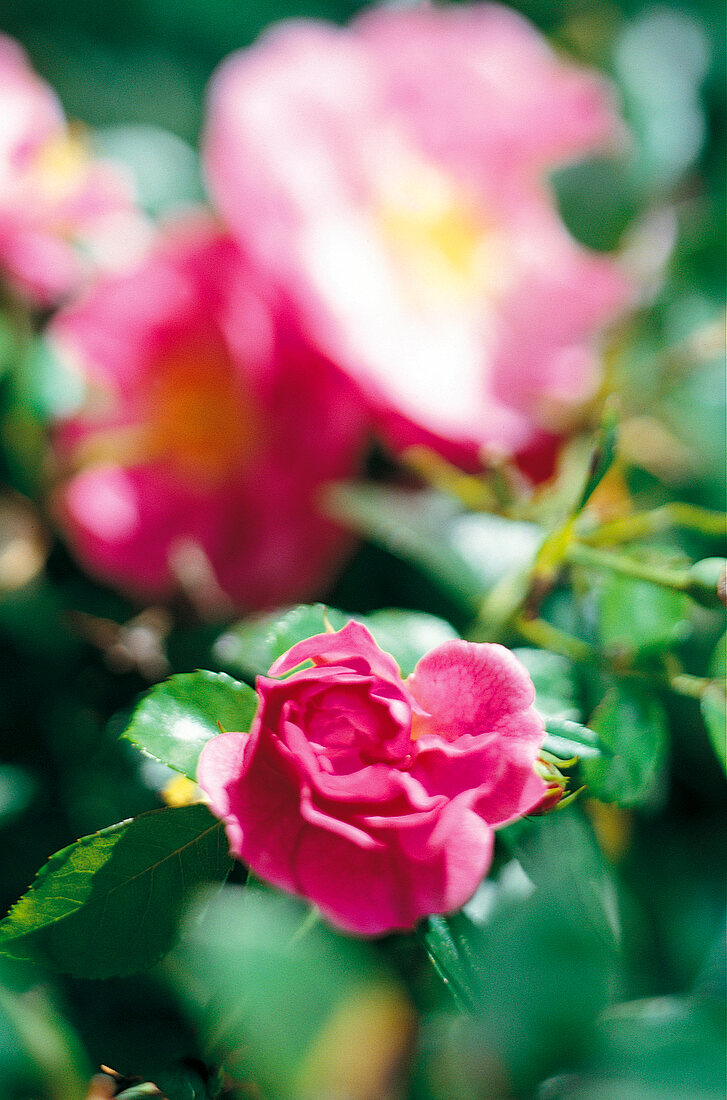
[714, 704]
[286, 1002]
[180, 1083]
[557, 697]
[572, 972]
[603, 455]
[556, 683]
[534, 956]
[109, 904]
[598, 200]
[253, 644]
[631, 726]
[637, 618]
[714, 713]
[175, 720]
[40, 1055]
[566, 739]
[164, 168]
[466, 554]
[560, 852]
[670, 1047]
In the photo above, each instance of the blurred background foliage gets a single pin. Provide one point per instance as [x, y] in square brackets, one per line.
[562, 1006]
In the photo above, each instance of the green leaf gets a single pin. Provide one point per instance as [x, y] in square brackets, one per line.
[175, 720]
[40, 1053]
[638, 617]
[250, 647]
[557, 698]
[559, 852]
[666, 1047]
[448, 949]
[164, 168]
[467, 554]
[603, 457]
[566, 739]
[185, 1082]
[555, 681]
[597, 199]
[713, 702]
[708, 581]
[632, 729]
[408, 635]
[411, 525]
[283, 1001]
[109, 904]
[536, 950]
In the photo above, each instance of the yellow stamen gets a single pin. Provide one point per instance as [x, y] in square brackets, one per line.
[58, 166]
[437, 236]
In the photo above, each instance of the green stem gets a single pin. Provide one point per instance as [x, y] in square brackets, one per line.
[689, 516]
[472, 491]
[311, 919]
[693, 687]
[579, 554]
[543, 634]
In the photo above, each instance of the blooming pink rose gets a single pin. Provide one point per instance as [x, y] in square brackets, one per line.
[61, 213]
[376, 797]
[393, 176]
[209, 429]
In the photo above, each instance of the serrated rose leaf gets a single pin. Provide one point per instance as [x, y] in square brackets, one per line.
[109, 904]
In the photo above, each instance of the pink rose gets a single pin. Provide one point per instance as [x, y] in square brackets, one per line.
[62, 213]
[393, 175]
[209, 428]
[372, 796]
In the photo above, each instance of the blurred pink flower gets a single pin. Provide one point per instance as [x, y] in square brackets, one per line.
[372, 796]
[393, 177]
[209, 428]
[62, 213]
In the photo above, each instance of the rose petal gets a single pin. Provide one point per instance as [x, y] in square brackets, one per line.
[466, 687]
[371, 893]
[353, 642]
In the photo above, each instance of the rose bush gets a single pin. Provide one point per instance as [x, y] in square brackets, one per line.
[372, 796]
[209, 427]
[62, 212]
[393, 175]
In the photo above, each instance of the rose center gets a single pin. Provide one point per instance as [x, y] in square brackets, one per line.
[353, 728]
[58, 167]
[195, 415]
[438, 239]
[201, 417]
